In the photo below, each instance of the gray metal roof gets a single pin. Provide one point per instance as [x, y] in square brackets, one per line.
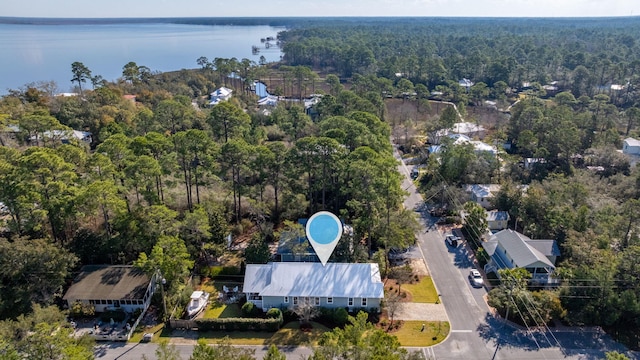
[314, 280]
[517, 248]
[497, 215]
[546, 247]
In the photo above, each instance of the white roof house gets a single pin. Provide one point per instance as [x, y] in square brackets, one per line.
[482, 193]
[460, 139]
[497, 220]
[464, 128]
[221, 94]
[269, 100]
[631, 146]
[509, 249]
[280, 284]
[314, 279]
[465, 83]
[65, 136]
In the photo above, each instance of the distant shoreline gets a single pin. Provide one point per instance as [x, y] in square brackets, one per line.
[299, 21]
[240, 21]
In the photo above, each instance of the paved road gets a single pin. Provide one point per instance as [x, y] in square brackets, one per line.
[121, 351]
[475, 333]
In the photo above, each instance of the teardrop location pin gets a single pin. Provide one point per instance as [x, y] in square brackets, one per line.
[324, 230]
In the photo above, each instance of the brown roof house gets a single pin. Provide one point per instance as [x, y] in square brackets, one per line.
[110, 287]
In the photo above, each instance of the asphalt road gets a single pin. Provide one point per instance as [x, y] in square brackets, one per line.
[122, 351]
[475, 332]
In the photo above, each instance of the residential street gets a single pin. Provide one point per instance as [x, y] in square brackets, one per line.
[475, 333]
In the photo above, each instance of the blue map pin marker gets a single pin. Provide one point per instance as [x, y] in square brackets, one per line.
[324, 230]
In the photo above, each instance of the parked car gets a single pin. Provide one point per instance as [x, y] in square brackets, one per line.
[397, 253]
[415, 172]
[452, 240]
[476, 278]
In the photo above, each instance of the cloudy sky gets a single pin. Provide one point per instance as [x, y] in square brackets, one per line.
[262, 8]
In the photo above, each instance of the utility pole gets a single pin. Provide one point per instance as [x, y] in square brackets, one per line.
[160, 279]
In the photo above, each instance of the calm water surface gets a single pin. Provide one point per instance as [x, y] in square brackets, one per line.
[31, 53]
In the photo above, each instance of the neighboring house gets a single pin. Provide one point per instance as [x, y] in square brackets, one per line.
[529, 163]
[64, 136]
[287, 284]
[221, 94]
[497, 220]
[129, 97]
[509, 249]
[269, 100]
[482, 193]
[109, 287]
[293, 247]
[465, 83]
[310, 102]
[468, 129]
[631, 146]
[266, 99]
[459, 139]
[260, 89]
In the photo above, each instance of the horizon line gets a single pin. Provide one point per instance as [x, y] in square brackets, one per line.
[321, 17]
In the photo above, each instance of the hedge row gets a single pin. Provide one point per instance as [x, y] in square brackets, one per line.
[239, 324]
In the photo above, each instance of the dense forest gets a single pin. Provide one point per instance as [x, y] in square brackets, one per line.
[165, 176]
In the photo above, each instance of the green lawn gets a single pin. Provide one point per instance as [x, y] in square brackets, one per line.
[422, 292]
[157, 331]
[290, 334]
[410, 333]
[220, 310]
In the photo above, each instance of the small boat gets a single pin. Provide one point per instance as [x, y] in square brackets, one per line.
[199, 300]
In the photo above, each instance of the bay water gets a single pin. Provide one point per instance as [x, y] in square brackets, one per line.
[33, 53]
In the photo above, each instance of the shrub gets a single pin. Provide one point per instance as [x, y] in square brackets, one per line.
[240, 324]
[248, 309]
[216, 271]
[274, 313]
[116, 315]
[340, 316]
[288, 315]
[80, 310]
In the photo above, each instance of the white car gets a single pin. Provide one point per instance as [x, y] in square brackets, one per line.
[452, 240]
[476, 278]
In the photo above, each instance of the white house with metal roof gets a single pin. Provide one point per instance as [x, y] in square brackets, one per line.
[482, 193]
[479, 147]
[221, 94]
[631, 146]
[463, 128]
[287, 284]
[497, 220]
[509, 249]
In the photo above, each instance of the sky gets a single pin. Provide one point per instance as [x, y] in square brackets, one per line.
[286, 8]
